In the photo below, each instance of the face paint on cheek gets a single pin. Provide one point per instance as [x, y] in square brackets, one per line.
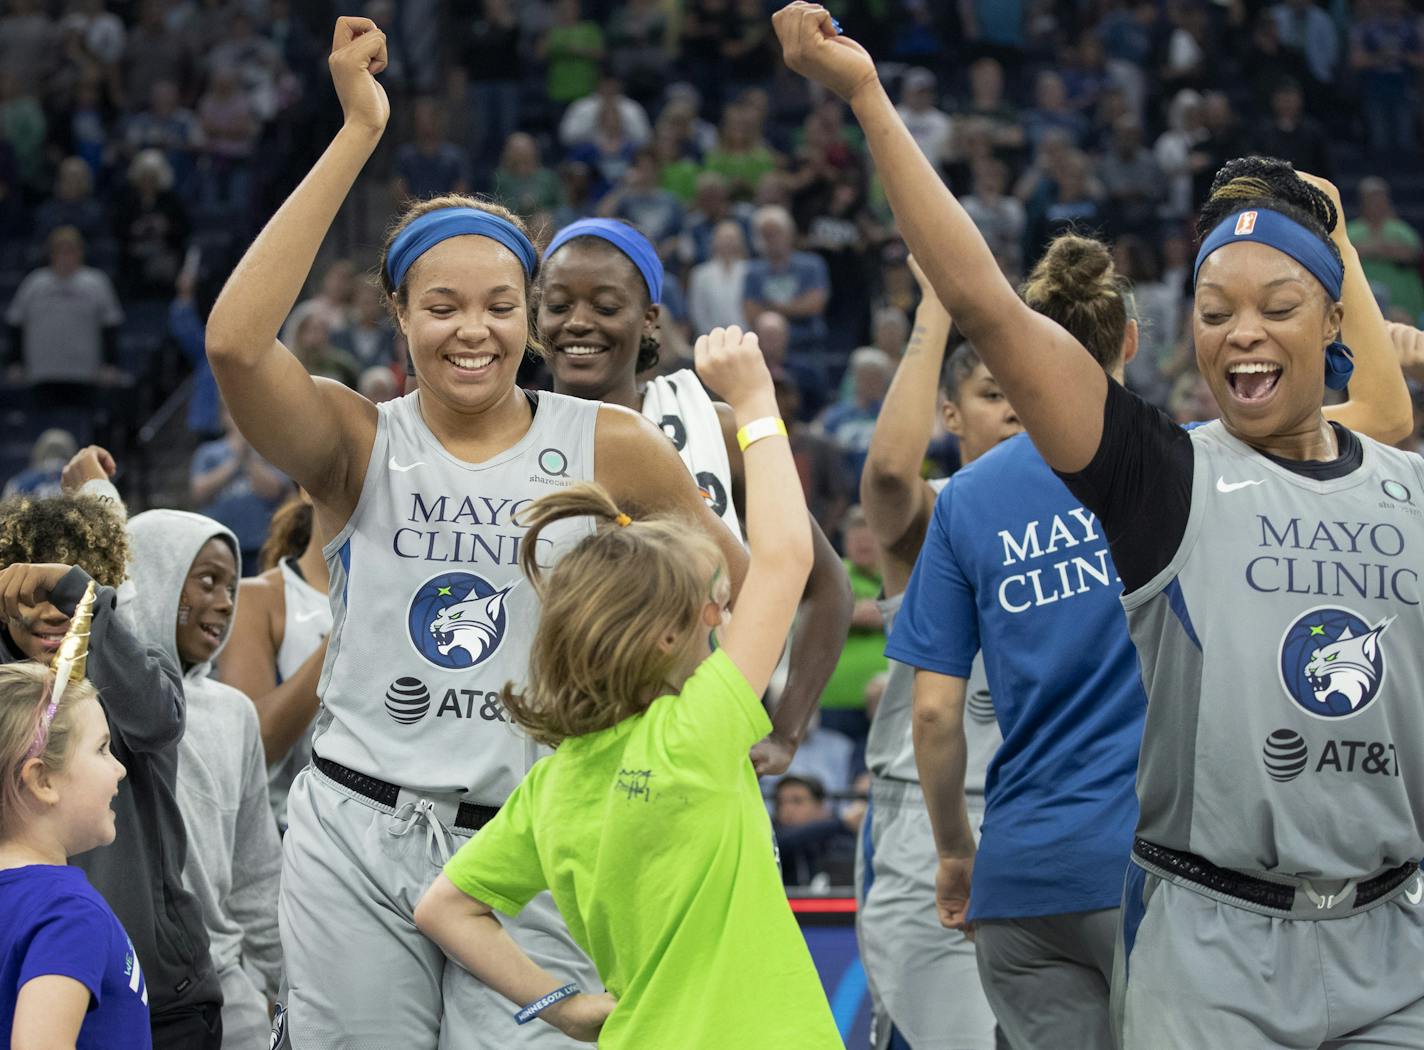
[184, 611]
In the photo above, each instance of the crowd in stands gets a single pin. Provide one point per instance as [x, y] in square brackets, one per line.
[142, 144]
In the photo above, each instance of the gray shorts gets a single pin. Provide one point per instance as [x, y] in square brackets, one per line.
[1048, 978]
[360, 976]
[1195, 970]
[923, 978]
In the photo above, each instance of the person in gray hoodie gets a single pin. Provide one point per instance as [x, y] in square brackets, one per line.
[185, 571]
[49, 549]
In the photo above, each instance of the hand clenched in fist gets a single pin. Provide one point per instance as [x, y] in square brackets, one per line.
[358, 53]
[812, 47]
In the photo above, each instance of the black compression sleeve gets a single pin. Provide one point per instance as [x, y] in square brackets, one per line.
[1139, 485]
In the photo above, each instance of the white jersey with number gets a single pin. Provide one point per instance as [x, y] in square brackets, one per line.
[680, 406]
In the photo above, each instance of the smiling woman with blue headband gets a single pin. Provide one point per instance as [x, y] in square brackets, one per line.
[601, 290]
[1269, 564]
[418, 500]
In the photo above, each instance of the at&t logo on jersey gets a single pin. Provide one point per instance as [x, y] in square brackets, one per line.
[1332, 663]
[1287, 756]
[408, 700]
[457, 620]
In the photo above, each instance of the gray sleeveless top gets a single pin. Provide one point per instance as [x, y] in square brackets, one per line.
[1283, 654]
[432, 615]
[890, 748]
[308, 620]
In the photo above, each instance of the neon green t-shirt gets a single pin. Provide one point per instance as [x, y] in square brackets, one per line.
[654, 841]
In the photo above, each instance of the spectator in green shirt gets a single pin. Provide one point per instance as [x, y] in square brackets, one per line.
[573, 50]
[843, 699]
[521, 182]
[1389, 248]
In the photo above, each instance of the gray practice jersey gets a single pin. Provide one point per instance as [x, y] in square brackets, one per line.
[890, 748]
[307, 620]
[1283, 654]
[432, 615]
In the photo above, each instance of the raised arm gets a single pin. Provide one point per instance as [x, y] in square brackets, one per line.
[896, 499]
[778, 525]
[1056, 386]
[821, 629]
[314, 430]
[1379, 402]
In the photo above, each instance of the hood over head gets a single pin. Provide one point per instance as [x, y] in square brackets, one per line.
[163, 545]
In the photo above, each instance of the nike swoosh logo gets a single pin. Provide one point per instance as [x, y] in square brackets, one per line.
[1222, 485]
[397, 467]
[1415, 893]
[310, 614]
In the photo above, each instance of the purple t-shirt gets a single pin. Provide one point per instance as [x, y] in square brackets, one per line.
[53, 922]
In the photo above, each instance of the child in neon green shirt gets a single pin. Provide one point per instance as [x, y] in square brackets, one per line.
[647, 823]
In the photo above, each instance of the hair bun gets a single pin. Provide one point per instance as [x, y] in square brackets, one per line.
[1074, 268]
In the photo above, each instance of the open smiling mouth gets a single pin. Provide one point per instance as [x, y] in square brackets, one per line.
[581, 350]
[1253, 381]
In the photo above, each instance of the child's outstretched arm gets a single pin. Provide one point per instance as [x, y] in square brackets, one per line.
[778, 526]
[467, 930]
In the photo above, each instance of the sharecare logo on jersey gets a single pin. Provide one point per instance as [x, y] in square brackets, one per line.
[1245, 223]
[457, 620]
[1332, 661]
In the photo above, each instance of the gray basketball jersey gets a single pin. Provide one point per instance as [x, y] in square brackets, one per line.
[1283, 654]
[432, 615]
[307, 622]
[890, 747]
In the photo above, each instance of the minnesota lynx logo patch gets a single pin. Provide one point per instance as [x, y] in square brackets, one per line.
[1333, 662]
[457, 620]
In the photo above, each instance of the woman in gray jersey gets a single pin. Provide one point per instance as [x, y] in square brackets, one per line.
[420, 500]
[278, 644]
[924, 979]
[1268, 567]
[600, 287]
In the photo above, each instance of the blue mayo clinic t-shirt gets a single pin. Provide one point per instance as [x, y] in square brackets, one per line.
[1014, 565]
[52, 922]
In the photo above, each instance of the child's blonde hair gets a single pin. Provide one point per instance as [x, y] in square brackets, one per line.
[25, 692]
[599, 653]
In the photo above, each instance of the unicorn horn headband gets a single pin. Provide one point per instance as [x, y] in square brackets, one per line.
[69, 665]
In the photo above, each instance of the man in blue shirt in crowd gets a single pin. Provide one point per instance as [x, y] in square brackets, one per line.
[791, 283]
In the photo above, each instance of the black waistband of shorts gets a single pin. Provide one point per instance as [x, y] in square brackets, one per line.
[1274, 895]
[469, 817]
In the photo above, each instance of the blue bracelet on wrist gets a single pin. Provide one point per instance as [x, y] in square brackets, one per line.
[541, 1004]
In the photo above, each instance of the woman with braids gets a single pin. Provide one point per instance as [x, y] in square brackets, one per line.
[1268, 567]
[418, 500]
[600, 295]
[51, 550]
[278, 644]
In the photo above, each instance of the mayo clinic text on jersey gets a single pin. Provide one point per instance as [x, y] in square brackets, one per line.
[1368, 563]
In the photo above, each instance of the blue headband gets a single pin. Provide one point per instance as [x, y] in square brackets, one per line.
[1286, 235]
[1281, 233]
[627, 240]
[442, 224]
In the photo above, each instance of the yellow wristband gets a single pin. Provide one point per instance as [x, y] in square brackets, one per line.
[767, 426]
